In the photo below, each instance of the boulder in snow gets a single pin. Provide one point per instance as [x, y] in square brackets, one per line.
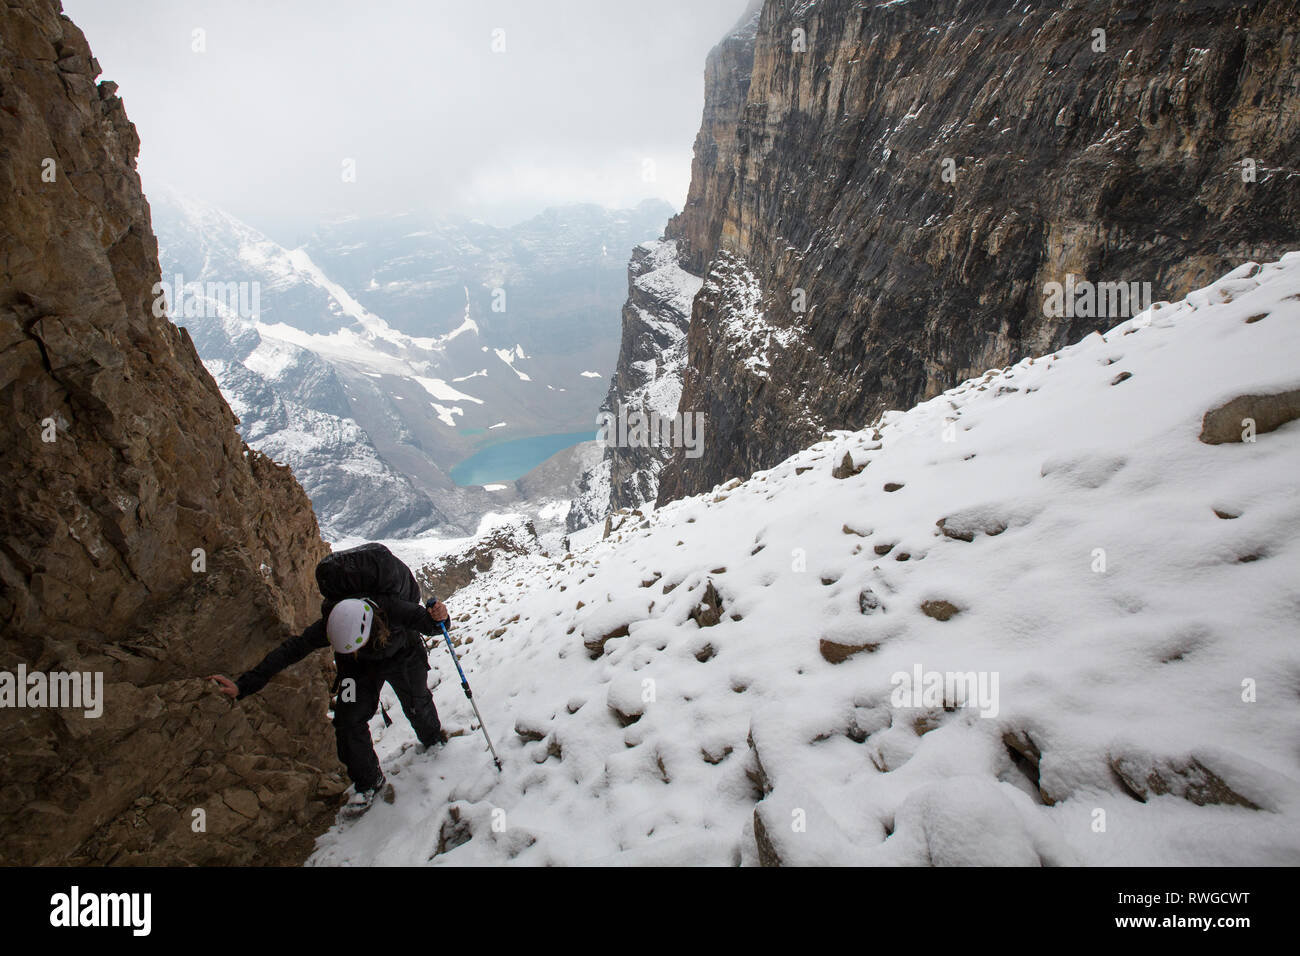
[939, 610]
[846, 468]
[1145, 777]
[1227, 422]
[709, 611]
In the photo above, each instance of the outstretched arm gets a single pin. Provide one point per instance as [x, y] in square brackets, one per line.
[290, 652]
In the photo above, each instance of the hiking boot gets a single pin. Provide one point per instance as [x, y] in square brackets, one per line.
[362, 800]
[425, 748]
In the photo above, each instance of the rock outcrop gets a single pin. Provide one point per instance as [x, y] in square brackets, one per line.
[1249, 415]
[447, 573]
[883, 195]
[646, 382]
[143, 543]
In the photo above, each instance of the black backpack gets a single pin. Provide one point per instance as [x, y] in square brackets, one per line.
[370, 570]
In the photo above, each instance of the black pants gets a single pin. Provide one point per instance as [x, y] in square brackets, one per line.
[407, 674]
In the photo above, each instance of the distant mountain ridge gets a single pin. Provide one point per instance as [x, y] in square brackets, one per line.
[383, 351]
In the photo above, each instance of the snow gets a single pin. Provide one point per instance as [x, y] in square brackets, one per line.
[440, 389]
[271, 359]
[368, 344]
[346, 347]
[663, 394]
[554, 511]
[742, 321]
[467, 325]
[665, 279]
[677, 744]
[445, 413]
[495, 487]
[591, 375]
[510, 356]
[417, 552]
[497, 425]
[299, 262]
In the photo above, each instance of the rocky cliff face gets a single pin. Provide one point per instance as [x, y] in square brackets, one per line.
[648, 379]
[142, 540]
[882, 195]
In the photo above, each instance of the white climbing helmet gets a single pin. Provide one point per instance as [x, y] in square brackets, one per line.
[349, 625]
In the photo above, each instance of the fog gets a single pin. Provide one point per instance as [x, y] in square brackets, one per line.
[287, 112]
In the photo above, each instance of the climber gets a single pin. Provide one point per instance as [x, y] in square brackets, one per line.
[369, 618]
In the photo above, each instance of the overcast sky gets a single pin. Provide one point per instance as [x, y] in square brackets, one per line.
[587, 100]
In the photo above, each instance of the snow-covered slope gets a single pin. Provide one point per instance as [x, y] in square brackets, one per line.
[722, 682]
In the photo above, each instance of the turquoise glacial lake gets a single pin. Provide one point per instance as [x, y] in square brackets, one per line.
[509, 460]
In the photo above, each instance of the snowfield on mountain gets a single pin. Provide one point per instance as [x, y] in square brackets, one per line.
[1090, 571]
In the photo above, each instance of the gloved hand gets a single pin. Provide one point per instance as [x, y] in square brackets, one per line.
[438, 611]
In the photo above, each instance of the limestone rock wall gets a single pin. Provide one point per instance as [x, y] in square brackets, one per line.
[819, 167]
[120, 458]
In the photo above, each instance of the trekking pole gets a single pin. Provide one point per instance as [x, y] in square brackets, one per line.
[469, 694]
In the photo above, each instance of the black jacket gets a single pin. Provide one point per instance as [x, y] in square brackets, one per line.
[406, 621]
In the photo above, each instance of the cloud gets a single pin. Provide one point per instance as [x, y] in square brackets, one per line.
[589, 100]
